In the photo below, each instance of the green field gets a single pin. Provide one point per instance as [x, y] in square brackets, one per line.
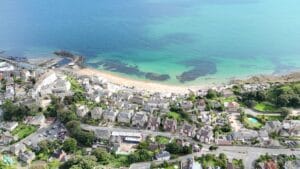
[265, 107]
[24, 130]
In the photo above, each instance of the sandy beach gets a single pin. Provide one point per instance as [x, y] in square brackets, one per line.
[140, 84]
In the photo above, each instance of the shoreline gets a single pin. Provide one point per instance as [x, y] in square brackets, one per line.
[152, 86]
[141, 84]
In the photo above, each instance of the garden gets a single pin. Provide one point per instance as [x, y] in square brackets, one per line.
[23, 130]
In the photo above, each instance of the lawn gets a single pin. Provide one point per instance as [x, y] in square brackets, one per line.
[75, 86]
[174, 115]
[265, 107]
[24, 130]
[270, 118]
[162, 139]
[228, 99]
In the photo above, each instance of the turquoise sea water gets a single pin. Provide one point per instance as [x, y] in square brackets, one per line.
[190, 41]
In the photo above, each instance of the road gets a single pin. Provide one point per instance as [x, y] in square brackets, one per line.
[256, 113]
[247, 154]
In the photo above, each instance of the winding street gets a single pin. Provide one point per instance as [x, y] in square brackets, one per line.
[247, 154]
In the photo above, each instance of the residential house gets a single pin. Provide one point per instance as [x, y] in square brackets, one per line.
[129, 106]
[47, 80]
[96, 113]
[290, 128]
[8, 126]
[227, 93]
[61, 85]
[201, 105]
[153, 123]
[9, 92]
[163, 156]
[295, 164]
[188, 130]
[150, 107]
[230, 165]
[263, 135]
[60, 155]
[139, 119]
[187, 105]
[110, 115]
[205, 117]
[6, 138]
[36, 120]
[18, 148]
[125, 116]
[205, 134]
[232, 107]
[27, 156]
[137, 100]
[82, 110]
[170, 125]
[243, 135]
[273, 126]
[270, 165]
[43, 103]
[189, 163]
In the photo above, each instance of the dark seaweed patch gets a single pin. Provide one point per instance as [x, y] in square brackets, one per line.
[282, 67]
[157, 77]
[118, 66]
[199, 68]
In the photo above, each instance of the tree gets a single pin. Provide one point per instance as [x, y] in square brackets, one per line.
[140, 156]
[80, 162]
[70, 145]
[283, 100]
[47, 147]
[83, 137]
[175, 148]
[261, 96]
[211, 94]
[66, 116]
[14, 112]
[103, 157]
[73, 127]
[212, 148]
[285, 112]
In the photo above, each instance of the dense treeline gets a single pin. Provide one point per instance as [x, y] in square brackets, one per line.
[287, 95]
[83, 137]
[17, 112]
